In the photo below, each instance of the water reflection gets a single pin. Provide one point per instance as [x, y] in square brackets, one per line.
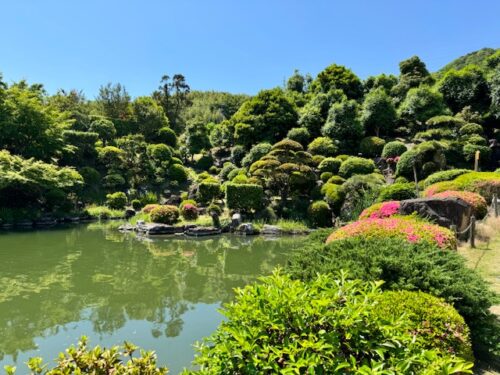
[60, 283]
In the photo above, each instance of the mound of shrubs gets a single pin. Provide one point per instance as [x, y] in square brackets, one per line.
[381, 210]
[149, 207]
[356, 165]
[478, 203]
[484, 183]
[116, 201]
[371, 146]
[393, 149]
[319, 214]
[444, 176]
[164, 214]
[189, 211]
[398, 191]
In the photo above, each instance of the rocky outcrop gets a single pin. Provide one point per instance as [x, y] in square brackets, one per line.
[246, 229]
[270, 230]
[156, 229]
[202, 231]
[443, 211]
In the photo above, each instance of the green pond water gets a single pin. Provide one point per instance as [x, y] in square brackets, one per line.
[162, 294]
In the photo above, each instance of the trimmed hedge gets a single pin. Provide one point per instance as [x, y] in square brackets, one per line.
[208, 191]
[371, 146]
[393, 149]
[244, 197]
[397, 192]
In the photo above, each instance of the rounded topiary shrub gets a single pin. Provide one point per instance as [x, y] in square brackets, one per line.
[371, 146]
[300, 135]
[116, 201]
[325, 176]
[356, 165]
[136, 204]
[177, 173]
[238, 152]
[149, 207]
[189, 211]
[469, 129]
[444, 176]
[397, 192]
[322, 146]
[164, 214]
[393, 149]
[320, 214]
[330, 165]
[167, 136]
[381, 210]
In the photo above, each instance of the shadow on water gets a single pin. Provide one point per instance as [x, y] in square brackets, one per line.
[162, 294]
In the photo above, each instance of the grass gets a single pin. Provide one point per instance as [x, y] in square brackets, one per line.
[287, 226]
[103, 212]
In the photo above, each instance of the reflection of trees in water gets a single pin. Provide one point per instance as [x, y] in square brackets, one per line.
[117, 277]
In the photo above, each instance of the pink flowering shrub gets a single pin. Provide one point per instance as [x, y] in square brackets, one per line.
[189, 211]
[484, 183]
[380, 210]
[478, 203]
[405, 228]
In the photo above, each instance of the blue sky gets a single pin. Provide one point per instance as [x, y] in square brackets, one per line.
[239, 46]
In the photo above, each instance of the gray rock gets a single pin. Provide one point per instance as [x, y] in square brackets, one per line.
[126, 228]
[270, 230]
[202, 231]
[156, 229]
[246, 228]
[236, 220]
[443, 211]
[129, 212]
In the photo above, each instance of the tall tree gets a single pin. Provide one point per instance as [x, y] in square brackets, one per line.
[114, 102]
[173, 97]
[378, 112]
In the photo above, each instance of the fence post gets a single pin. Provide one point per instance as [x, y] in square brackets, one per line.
[415, 178]
[476, 161]
[473, 231]
[495, 205]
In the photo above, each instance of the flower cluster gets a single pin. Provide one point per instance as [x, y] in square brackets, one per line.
[478, 203]
[381, 210]
[406, 228]
[392, 161]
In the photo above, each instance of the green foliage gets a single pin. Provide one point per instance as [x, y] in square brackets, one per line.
[330, 165]
[238, 152]
[356, 165]
[188, 211]
[340, 78]
[420, 104]
[413, 74]
[319, 214]
[244, 197]
[469, 152]
[167, 136]
[426, 152]
[116, 201]
[397, 192]
[149, 117]
[393, 149]
[322, 146]
[255, 153]
[334, 195]
[408, 266]
[104, 128]
[136, 204]
[164, 214]
[104, 213]
[208, 191]
[300, 135]
[469, 129]
[371, 146]
[378, 113]
[289, 326]
[343, 124]
[444, 176]
[205, 162]
[177, 172]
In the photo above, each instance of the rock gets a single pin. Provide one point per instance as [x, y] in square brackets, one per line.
[24, 224]
[246, 228]
[270, 230]
[126, 228]
[173, 200]
[129, 212]
[442, 211]
[156, 229]
[202, 231]
[71, 219]
[46, 221]
[235, 220]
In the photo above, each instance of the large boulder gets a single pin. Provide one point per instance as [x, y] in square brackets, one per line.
[247, 229]
[202, 231]
[443, 211]
[156, 229]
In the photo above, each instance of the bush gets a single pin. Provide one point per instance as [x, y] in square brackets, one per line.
[167, 136]
[322, 146]
[437, 322]
[212, 207]
[477, 202]
[99, 212]
[116, 201]
[283, 326]
[255, 153]
[189, 211]
[380, 210]
[337, 180]
[208, 191]
[164, 214]
[205, 162]
[469, 152]
[300, 135]
[267, 214]
[330, 165]
[371, 146]
[319, 214]
[244, 197]
[325, 176]
[469, 129]
[334, 195]
[177, 173]
[113, 180]
[187, 201]
[136, 204]
[356, 165]
[238, 152]
[405, 228]
[149, 207]
[317, 159]
[426, 152]
[444, 176]
[226, 169]
[397, 192]
[406, 266]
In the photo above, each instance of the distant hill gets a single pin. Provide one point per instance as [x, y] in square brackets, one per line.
[477, 58]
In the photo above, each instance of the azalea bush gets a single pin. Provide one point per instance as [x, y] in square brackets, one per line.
[324, 326]
[149, 207]
[381, 210]
[189, 211]
[164, 214]
[406, 228]
[478, 203]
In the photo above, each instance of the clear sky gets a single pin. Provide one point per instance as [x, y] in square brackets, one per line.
[239, 46]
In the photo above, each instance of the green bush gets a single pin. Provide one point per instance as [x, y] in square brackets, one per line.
[397, 192]
[113, 181]
[226, 169]
[356, 165]
[208, 191]
[212, 207]
[177, 173]
[101, 213]
[444, 176]
[255, 153]
[300, 135]
[325, 326]
[330, 165]
[322, 146]
[325, 176]
[408, 266]
[267, 214]
[149, 207]
[136, 204]
[189, 211]
[317, 159]
[238, 152]
[167, 136]
[426, 152]
[187, 201]
[164, 214]
[116, 201]
[371, 146]
[205, 162]
[319, 214]
[244, 197]
[469, 129]
[469, 152]
[334, 195]
[337, 180]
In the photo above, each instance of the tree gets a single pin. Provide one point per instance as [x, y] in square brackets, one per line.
[114, 102]
[313, 115]
[378, 112]
[413, 73]
[149, 117]
[104, 128]
[343, 124]
[495, 93]
[387, 82]
[172, 95]
[338, 77]
[421, 104]
[296, 82]
[465, 87]
[197, 137]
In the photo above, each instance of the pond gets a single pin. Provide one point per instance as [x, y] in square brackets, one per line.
[162, 294]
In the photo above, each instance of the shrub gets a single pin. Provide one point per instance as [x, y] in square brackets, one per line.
[238, 152]
[244, 197]
[116, 201]
[322, 146]
[255, 153]
[113, 180]
[212, 207]
[469, 152]
[98, 212]
[397, 192]
[426, 152]
[208, 191]
[320, 214]
[371, 146]
[240, 179]
[267, 214]
[325, 176]
[300, 135]
[444, 176]
[337, 180]
[136, 204]
[334, 195]
[149, 207]
[187, 201]
[167, 136]
[189, 211]
[205, 162]
[287, 145]
[437, 322]
[469, 129]
[407, 266]
[283, 326]
[177, 173]
[317, 159]
[380, 210]
[478, 203]
[434, 134]
[226, 169]
[356, 165]
[404, 228]
[330, 165]
[164, 214]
